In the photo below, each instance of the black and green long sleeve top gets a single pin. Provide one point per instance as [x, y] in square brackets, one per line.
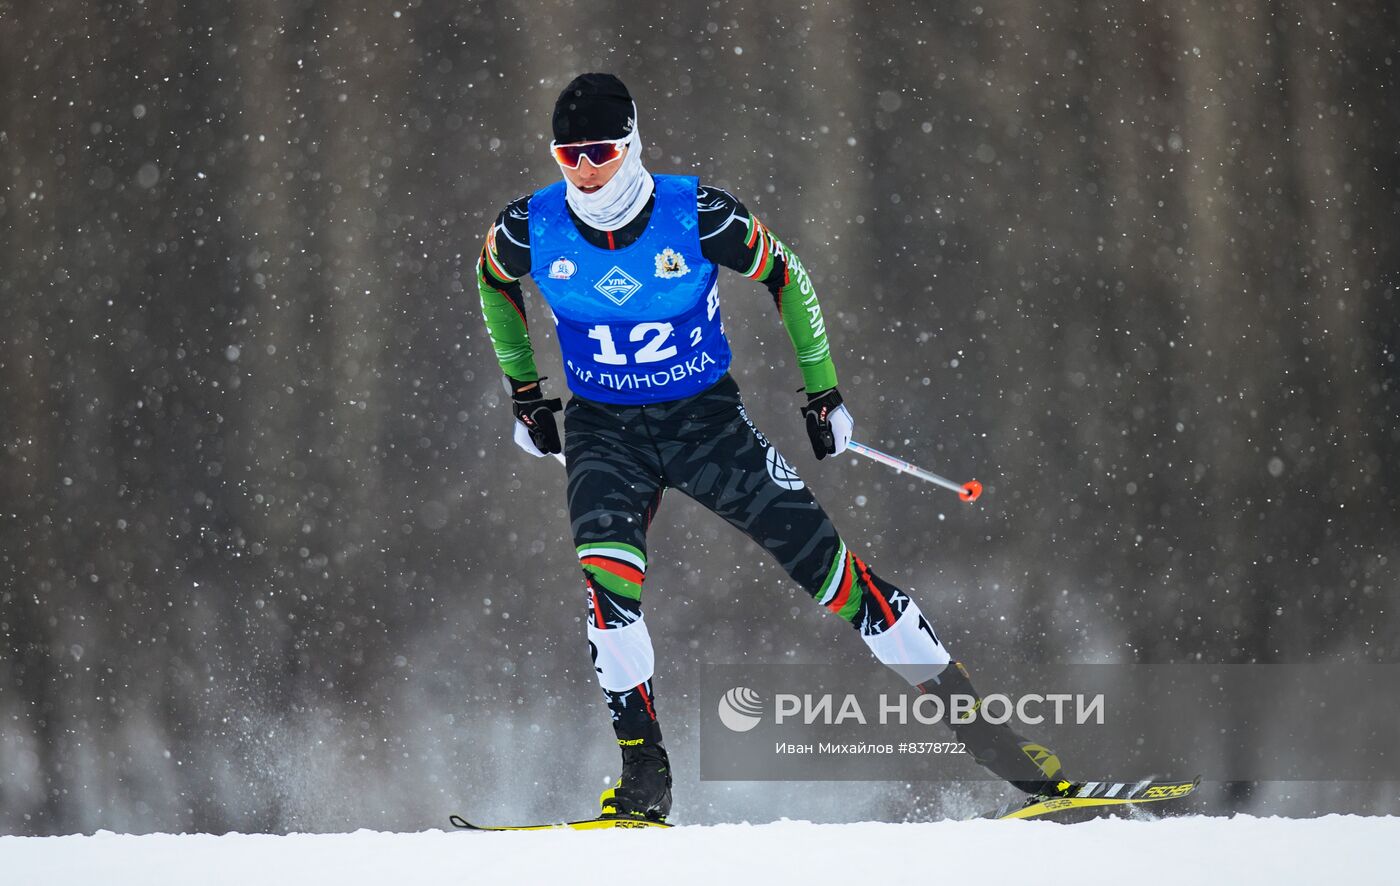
[730, 236]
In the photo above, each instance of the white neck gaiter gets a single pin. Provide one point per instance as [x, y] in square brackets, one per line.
[622, 198]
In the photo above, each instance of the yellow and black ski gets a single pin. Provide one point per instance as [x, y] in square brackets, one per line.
[1076, 801]
[1081, 800]
[586, 824]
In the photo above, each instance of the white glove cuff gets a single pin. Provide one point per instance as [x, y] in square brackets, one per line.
[842, 425]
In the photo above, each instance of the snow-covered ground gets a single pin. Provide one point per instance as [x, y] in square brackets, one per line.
[1334, 849]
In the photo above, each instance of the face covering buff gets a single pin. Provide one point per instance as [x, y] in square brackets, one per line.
[623, 197]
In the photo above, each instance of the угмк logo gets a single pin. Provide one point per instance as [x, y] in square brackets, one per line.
[740, 709]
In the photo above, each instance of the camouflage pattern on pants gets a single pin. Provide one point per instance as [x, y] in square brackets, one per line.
[621, 459]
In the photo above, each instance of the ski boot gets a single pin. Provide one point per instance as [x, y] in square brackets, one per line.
[1028, 766]
[644, 788]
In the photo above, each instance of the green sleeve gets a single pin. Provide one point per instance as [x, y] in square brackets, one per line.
[503, 306]
[781, 270]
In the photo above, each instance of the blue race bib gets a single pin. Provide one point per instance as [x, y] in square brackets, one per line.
[639, 324]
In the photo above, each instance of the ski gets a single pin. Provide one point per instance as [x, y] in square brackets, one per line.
[586, 824]
[1088, 799]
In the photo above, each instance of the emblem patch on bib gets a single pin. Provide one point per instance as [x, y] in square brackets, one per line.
[617, 285]
[562, 269]
[670, 263]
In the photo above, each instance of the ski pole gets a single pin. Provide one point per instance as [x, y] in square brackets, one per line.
[966, 491]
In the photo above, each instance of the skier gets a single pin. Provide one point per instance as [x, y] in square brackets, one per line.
[628, 262]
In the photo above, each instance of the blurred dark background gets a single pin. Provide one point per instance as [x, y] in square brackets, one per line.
[269, 561]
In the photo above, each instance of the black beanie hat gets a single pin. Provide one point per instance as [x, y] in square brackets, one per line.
[593, 107]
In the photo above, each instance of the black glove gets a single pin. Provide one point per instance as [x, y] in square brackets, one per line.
[829, 423]
[535, 416]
